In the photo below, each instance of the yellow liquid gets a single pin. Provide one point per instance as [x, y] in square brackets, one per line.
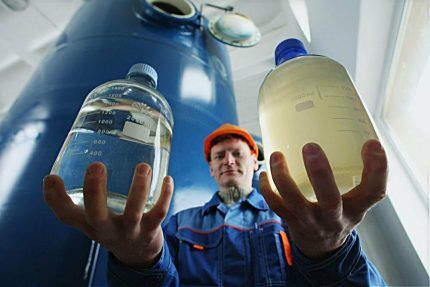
[312, 99]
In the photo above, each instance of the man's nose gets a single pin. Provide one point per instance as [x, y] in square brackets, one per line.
[229, 158]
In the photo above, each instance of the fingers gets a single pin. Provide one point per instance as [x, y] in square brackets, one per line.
[55, 194]
[274, 201]
[61, 204]
[138, 193]
[322, 178]
[95, 195]
[293, 199]
[159, 211]
[374, 177]
[373, 183]
[375, 170]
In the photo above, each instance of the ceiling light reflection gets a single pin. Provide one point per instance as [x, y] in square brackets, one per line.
[15, 157]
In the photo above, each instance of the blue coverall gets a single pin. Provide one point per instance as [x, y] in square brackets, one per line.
[241, 245]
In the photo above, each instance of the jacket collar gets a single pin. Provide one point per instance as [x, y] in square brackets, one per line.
[254, 199]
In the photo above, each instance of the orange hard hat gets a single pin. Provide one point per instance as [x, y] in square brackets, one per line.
[228, 129]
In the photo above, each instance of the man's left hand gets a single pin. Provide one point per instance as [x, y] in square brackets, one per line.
[320, 228]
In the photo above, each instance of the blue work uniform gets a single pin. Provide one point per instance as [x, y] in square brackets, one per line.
[242, 245]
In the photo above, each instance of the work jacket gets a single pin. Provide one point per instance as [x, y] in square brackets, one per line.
[245, 244]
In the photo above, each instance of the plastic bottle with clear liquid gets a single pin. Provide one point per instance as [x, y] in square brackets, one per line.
[121, 123]
[311, 98]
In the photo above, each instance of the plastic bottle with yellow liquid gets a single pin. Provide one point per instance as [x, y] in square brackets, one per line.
[311, 98]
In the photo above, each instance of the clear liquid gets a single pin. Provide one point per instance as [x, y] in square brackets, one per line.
[312, 99]
[121, 134]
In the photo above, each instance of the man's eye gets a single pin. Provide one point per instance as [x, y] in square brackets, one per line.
[238, 154]
[218, 157]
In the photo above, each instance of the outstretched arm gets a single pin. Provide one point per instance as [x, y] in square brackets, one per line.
[135, 238]
[319, 229]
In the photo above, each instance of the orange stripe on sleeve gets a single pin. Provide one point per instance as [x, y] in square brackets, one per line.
[287, 248]
[198, 247]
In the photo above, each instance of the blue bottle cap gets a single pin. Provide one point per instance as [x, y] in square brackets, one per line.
[288, 49]
[143, 70]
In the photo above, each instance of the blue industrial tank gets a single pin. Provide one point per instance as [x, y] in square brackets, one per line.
[102, 41]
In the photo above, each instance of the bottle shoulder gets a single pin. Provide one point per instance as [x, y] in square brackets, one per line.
[302, 71]
[131, 91]
[122, 84]
[124, 88]
[308, 64]
[308, 60]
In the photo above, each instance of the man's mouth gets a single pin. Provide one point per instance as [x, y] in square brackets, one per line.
[230, 172]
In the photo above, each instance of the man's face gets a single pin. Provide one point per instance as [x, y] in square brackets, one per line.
[232, 164]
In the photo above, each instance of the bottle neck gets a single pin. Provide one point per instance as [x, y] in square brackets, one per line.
[142, 79]
[289, 56]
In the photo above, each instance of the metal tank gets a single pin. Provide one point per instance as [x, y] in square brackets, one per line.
[102, 41]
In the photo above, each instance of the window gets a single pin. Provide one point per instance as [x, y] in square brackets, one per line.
[407, 107]
[300, 11]
[405, 126]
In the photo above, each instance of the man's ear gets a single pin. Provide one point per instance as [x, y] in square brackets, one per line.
[254, 158]
[211, 170]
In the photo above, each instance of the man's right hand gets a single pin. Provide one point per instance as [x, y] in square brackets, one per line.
[134, 237]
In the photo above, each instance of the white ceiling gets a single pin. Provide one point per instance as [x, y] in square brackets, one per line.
[26, 36]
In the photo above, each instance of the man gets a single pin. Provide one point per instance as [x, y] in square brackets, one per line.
[235, 239]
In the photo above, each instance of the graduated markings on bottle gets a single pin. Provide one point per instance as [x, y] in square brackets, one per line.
[80, 152]
[136, 126]
[325, 92]
[108, 112]
[93, 151]
[95, 144]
